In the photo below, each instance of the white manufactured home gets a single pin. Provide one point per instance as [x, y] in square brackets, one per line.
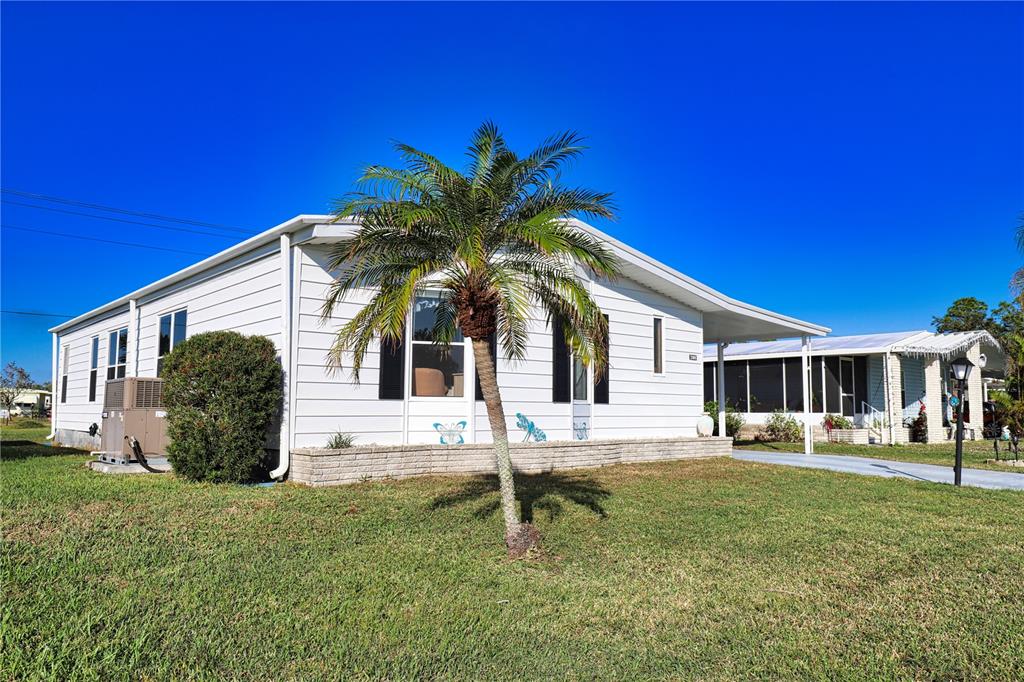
[274, 283]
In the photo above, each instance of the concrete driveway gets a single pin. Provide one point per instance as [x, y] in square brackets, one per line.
[866, 466]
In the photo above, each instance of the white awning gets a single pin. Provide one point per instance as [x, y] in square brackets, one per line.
[945, 346]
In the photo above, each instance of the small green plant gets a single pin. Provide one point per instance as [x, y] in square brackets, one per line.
[734, 421]
[836, 421]
[340, 440]
[780, 428]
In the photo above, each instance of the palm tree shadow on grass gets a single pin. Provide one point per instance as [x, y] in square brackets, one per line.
[544, 492]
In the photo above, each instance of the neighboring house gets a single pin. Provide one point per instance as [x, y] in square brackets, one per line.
[274, 284]
[30, 402]
[879, 380]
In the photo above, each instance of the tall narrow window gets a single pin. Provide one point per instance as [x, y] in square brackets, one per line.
[659, 362]
[172, 332]
[117, 354]
[579, 379]
[437, 370]
[93, 367]
[64, 376]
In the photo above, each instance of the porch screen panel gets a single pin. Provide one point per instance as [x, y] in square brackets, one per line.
[860, 381]
[709, 382]
[794, 385]
[832, 397]
[736, 384]
[766, 378]
[391, 385]
[817, 394]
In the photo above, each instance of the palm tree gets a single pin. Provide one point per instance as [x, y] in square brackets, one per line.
[497, 241]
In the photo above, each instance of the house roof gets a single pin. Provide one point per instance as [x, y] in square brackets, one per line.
[725, 318]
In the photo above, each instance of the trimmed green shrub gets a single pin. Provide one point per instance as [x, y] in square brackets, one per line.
[780, 428]
[222, 391]
[734, 421]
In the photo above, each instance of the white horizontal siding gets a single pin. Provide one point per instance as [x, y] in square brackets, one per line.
[913, 386]
[78, 413]
[330, 401]
[244, 299]
[642, 403]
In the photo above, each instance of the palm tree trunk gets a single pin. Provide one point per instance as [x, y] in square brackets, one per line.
[519, 537]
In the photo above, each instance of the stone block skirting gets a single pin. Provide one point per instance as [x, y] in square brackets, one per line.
[854, 436]
[321, 467]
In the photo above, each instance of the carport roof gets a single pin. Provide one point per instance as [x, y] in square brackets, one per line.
[912, 343]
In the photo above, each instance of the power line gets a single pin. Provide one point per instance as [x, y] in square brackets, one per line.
[32, 312]
[119, 220]
[96, 239]
[124, 211]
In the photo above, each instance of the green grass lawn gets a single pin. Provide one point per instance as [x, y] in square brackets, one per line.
[708, 569]
[21, 428]
[944, 454]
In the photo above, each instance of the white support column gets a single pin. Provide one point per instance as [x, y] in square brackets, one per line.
[805, 364]
[721, 388]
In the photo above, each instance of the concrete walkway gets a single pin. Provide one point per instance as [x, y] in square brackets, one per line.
[866, 466]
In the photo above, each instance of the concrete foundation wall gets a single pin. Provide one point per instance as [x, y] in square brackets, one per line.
[319, 467]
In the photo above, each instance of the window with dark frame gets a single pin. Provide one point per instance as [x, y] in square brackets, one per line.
[438, 371]
[579, 380]
[64, 376]
[117, 353]
[94, 360]
[659, 351]
[172, 331]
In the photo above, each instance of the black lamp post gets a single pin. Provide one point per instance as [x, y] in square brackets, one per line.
[961, 369]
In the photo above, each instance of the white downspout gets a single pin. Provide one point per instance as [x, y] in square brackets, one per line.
[133, 338]
[53, 388]
[284, 446]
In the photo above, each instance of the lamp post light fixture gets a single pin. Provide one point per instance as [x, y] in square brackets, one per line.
[961, 369]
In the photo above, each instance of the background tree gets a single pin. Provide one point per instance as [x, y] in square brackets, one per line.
[1017, 281]
[496, 242]
[13, 380]
[965, 315]
[1006, 324]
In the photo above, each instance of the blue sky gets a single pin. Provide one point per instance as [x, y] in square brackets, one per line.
[856, 165]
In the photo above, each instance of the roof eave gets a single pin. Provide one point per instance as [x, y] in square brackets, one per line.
[253, 242]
